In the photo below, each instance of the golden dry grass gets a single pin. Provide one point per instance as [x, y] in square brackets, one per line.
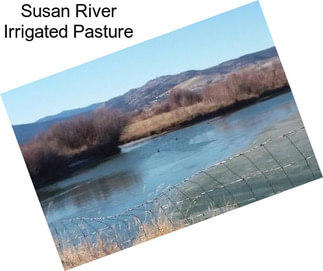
[85, 252]
[182, 106]
[149, 232]
[165, 121]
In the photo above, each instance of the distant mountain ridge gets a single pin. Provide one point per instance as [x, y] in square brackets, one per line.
[151, 92]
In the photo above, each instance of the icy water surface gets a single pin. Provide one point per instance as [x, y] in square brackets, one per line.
[144, 169]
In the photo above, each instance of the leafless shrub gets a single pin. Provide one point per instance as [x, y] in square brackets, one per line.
[161, 108]
[246, 83]
[177, 98]
[41, 159]
[74, 133]
[181, 98]
[184, 106]
[107, 127]
[47, 155]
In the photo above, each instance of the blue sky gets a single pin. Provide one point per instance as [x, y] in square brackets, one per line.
[198, 46]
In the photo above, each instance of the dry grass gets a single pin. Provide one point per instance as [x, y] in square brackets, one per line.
[149, 232]
[184, 105]
[161, 122]
[98, 135]
[86, 252]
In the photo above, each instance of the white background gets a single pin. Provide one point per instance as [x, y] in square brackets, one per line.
[283, 232]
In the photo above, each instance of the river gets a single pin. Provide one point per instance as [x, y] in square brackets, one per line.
[143, 169]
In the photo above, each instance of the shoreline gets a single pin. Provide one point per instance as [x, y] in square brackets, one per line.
[217, 113]
[84, 161]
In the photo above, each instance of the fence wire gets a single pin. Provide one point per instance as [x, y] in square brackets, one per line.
[266, 169]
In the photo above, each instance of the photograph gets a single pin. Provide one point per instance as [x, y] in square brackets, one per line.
[161, 135]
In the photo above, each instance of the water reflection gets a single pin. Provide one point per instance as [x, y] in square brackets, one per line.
[143, 169]
[101, 189]
[94, 190]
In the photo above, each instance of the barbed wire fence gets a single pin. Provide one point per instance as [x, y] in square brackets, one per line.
[269, 168]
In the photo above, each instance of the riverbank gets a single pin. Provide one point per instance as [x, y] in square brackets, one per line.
[69, 145]
[186, 116]
[85, 161]
[251, 176]
[73, 144]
